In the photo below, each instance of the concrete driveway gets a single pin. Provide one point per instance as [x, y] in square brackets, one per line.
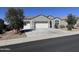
[44, 32]
[39, 34]
[48, 33]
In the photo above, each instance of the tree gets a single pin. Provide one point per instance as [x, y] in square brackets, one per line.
[15, 18]
[71, 20]
[1, 26]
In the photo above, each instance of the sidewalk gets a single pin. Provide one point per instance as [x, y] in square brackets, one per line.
[39, 35]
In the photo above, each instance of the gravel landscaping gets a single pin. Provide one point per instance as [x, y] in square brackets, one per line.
[11, 35]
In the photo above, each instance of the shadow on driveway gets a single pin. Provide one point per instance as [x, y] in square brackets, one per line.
[26, 30]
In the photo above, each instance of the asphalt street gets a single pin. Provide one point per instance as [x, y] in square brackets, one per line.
[60, 44]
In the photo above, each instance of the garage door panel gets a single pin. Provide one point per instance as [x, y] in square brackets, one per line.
[41, 25]
[27, 26]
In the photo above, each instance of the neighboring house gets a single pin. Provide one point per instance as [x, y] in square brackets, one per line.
[42, 21]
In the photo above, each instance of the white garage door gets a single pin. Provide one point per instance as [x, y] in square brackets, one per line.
[41, 25]
[27, 26]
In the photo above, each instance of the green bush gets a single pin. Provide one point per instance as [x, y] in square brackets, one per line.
[15, 18]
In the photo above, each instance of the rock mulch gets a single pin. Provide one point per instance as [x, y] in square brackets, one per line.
[11, 35]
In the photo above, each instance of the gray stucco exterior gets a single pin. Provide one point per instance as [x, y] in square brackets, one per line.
[41, 19]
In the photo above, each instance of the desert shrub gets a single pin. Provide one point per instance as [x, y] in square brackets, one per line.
[1, 26]
[69, 27]
[8, 28]
[1, 31]
[62, 26]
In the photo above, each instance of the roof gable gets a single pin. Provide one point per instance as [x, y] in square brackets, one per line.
[57, 18]
[41, 18]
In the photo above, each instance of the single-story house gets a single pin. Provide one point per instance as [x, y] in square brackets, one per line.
[42, 21]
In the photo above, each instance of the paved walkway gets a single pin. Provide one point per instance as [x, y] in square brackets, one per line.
[39, 34]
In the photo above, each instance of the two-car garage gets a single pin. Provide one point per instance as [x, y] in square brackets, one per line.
[38, 22]
[36, 26]
[41, 25]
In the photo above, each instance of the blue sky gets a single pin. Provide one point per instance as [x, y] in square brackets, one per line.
[54, 11]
